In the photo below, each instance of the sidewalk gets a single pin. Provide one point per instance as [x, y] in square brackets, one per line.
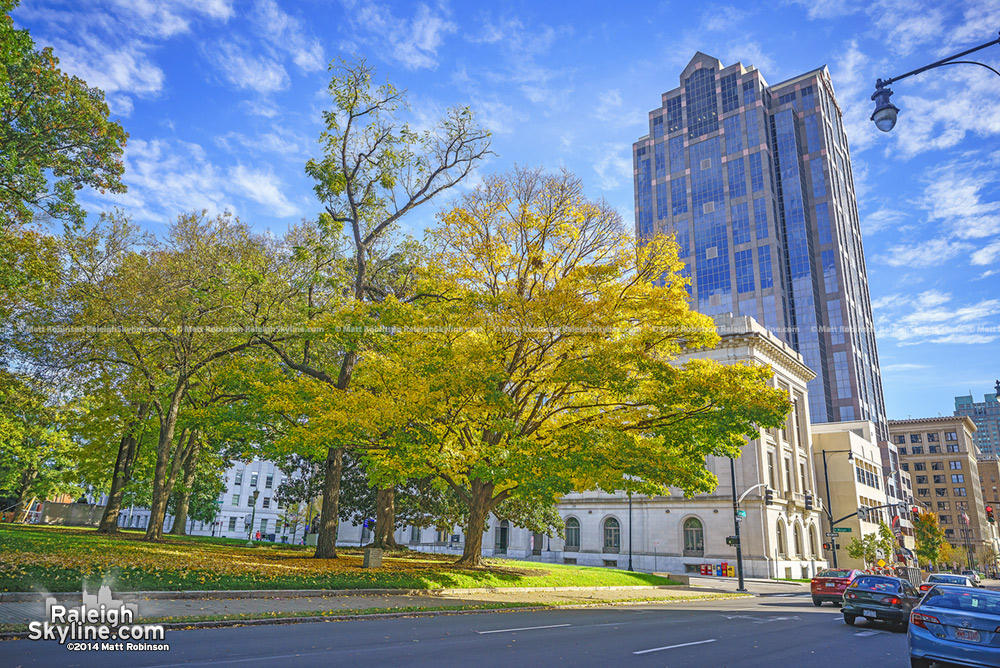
[290, 603]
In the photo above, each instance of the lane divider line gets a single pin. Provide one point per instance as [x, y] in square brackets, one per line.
[683, 644]
[523, 628]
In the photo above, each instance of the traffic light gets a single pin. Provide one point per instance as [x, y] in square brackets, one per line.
[809, 501]
[916, 513]
[863, 514]
[768, 496]
[989, 514]
[826, 546]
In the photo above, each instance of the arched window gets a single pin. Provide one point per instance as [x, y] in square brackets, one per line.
[780, 535]
[694, 538]
[812, 541]
[612, 535]
[572, 535]
[798, 540]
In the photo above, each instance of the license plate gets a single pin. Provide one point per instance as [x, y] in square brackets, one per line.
[870, 614]
[831, 584]
[967, 634]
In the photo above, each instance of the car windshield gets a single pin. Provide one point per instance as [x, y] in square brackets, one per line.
[876, 584]
[973, 600]
[949, 579]
[834, 574]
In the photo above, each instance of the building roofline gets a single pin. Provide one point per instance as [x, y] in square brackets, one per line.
[948, 418]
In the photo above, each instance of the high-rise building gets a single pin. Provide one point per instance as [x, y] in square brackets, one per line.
[986, 415]
[755, 180]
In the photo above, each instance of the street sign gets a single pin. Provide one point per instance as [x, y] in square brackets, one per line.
[738, 518]
[831, 535]
[741, 513]
[842, 529]
[881, 563]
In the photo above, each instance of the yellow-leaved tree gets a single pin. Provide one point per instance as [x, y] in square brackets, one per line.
[548, 362]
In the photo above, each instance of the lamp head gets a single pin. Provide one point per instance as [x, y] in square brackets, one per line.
[885, 112]
[850, 456]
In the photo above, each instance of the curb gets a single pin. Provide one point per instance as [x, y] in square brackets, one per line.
[22, 596]
[229, 623]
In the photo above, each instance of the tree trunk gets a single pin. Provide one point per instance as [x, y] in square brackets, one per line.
[385, 519]
[480, 505]
[24, 484]
[190, 466]
[164, 448]
[128, 452]
[326, 541]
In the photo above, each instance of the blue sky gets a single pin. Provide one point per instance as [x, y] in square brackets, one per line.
[222, 100]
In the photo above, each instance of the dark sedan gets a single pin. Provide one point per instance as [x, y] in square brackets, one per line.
[880, 598]
[958, 625]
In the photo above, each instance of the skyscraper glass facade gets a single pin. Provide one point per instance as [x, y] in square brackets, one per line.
[755, 181]
[986, 415]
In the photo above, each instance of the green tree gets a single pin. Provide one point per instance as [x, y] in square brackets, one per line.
[929, 537]
[549, 362]
[373, 172]
[866, 549]
[52, 125]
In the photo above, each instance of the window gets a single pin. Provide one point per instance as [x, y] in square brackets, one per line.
[923, 492]
[937, 466]
[943, 505]
[780, 536]
[236, 499]
[253, 478]
[957, 477]
[267, 502]
[951, 436]
[788, 474]
[232, 524]
[694, 538]
[960, 491]
[919, 466]
[915, 438]
[949, 533]
[932, 438]
[239, 477]
[770, 470]
[939, 479]
[269, 483]
[798, 540]
[951, 447]
[917, 450]
[933, 449]
[902, 451]
[941, 491]
[812, 542]
[612, 535]
[572, 535]
[899, 439]
[955, 465]
[278, 526]
[250, 501]
[921, 480]
[263, 525]
[906, 467]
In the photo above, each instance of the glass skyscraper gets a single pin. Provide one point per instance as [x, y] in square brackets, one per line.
[755, 180]
[986, 415]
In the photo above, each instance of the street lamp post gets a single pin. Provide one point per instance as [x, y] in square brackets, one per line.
[829, 510]
[885, 112]
[253, 516]
[736, 523]
[630, 531]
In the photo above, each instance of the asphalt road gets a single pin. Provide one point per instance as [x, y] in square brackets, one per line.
[771, 632]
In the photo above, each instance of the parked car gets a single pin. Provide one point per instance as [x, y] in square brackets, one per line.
[829, 585]
[946, 579]
[956, 624]
[880, 598]
[974, 576]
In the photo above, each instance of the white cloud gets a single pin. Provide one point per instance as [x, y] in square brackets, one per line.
[166, 19]
[895, 368]
[243, 70]
[987, 255]
[906, 27]
[263, 188]
[954, 196]
[278, 141]
[933, 317]
[828, 9]
[718, 19]
[287, 33]
[120, 73]
[880, 219]
[928, 253]
[609, 104]
[411, 42]
[750, 52]
[613, 165]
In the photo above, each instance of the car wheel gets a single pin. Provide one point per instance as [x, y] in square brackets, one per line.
[817, 602]
[919, 663]
[849, 619]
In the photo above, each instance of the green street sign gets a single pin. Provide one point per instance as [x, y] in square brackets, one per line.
[741, 513]
[842, 529]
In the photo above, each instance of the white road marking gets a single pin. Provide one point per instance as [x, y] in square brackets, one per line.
[873, 632]
[523, 628]
[683, 644]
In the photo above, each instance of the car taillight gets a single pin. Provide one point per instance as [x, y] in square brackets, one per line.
[924, 587]
[920, 619]
[850, 594]
[890, 600]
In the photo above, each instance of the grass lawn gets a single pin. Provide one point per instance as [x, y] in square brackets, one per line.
[61, 558]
